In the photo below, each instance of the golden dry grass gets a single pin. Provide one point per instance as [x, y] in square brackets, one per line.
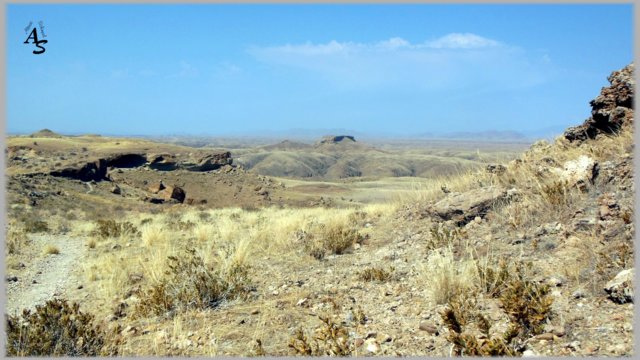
[51, 250]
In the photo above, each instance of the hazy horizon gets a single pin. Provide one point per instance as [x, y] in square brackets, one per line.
[224, 70]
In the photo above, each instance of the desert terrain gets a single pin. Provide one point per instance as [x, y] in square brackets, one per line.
[336, 247]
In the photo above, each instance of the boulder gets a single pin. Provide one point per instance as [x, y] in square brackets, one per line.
[496, 169]
[581, 171]
[620, 288]
[156, 187]
[611, 110]
[173, 193]
[92, 171]
[465, 207]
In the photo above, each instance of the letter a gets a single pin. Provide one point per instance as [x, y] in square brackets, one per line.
[33, 34]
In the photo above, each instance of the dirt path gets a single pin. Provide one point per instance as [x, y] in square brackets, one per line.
[47, 276]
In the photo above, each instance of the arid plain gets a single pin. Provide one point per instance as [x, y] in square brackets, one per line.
[329, 247]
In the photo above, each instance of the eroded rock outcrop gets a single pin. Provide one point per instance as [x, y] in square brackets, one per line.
[209, 162]
[95, 170]
[126, 160]
[464, 207]
[163, 162]
[337, 139]
[611, 110]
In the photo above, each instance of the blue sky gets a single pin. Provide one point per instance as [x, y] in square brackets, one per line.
[251, 69]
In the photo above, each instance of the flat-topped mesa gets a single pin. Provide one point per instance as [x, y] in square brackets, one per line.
[334, 139]
[611, 111]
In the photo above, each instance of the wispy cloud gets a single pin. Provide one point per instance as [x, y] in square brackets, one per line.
[455, 60]
[186, 71]
[463, 41]
[225, 69]
[119, 73]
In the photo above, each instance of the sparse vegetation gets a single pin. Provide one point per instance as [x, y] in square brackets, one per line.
[35, 226]
[115, 229]
[51, 250]
[375, 274]
[234, 270]
[55, 329]
[331, 339]
[190, 283]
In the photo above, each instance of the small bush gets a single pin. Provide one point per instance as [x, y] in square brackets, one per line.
[493, 278]
[112, 228]
[331, 339]
[374, 273]
[556, 193]
[55, 328]
[444, 236]
[458, 315]
[35, 226]
[16, 239]
[333, 238]
[527, 303]
[179, 225]
[190, 283]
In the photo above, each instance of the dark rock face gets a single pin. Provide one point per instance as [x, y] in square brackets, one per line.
[126, 160]
[96, 171]
[611, 110]
[209, 162]
[337, 139]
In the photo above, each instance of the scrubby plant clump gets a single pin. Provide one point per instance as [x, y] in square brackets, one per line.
[331, 339]
[526, 302]
[112, 228]
[332, 238]
[375, 274]
[55, 328]
[190, 283]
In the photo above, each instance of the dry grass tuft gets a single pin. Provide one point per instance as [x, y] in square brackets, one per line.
[153, 235]
[447, 277]
[51, 250]
[16, 238]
